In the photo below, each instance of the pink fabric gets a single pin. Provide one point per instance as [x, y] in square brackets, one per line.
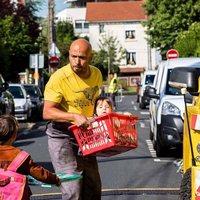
[17, 186]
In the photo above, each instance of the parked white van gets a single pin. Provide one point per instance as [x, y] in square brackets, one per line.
[147, 80]
[167, 107]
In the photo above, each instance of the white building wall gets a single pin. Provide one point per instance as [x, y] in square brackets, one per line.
[138, 45]
[73, 15]
[94, 36]
[145, 57]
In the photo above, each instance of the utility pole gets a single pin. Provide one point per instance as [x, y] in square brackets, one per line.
[51, 6]
[51, 31]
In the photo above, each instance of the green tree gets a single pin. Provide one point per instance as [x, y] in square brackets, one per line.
[188, 42]
[110, 54]
[17, 44]
[18, 37]
[64, 37]
[166, 19]
[34, 5]
[99, 58]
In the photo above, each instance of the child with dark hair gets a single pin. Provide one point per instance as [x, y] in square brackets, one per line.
[8, 133]
[103, 105]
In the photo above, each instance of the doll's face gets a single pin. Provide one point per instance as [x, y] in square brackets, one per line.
[103, 107]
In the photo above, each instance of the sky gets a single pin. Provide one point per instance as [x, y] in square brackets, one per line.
[59, 5]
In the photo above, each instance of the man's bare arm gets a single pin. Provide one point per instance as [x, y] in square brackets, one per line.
[51, 112]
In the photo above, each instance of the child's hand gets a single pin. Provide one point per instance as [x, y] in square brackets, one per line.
[58, 183]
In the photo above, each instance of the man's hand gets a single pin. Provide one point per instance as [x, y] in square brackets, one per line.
[81, 121]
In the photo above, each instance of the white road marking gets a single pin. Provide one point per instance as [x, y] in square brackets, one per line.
[153, 153]
[164, 160]
[144, 112]
[151, 149]
[142, 124]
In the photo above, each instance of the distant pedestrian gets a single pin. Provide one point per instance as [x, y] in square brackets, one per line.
[138, 87]
[113, 88]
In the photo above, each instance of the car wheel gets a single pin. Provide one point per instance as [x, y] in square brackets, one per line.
[161, 150]
[154, 143]
[142, 105]
[13, 110]
[151, 135]
[29, 114]
[185, 188]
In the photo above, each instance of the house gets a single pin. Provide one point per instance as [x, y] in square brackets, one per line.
[76, 16]
[123, 20]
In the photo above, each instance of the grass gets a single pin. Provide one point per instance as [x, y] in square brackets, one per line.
[130, 90]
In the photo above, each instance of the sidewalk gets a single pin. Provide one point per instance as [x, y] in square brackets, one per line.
[45, 197]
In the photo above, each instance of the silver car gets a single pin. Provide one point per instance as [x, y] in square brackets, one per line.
[37, 100]
[23, 105]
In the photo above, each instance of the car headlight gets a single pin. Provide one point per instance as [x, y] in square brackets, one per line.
[170, 109]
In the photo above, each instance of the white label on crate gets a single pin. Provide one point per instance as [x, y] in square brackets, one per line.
[104, 126]
[95, 137]
[94, 124]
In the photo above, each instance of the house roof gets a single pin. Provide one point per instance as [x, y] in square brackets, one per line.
[115, 11]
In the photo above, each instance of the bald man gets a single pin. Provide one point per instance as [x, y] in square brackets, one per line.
[69, 99]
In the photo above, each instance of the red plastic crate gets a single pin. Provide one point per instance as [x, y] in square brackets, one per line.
[108, 135]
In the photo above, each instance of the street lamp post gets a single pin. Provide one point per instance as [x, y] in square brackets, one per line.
[108, 67]
[40, 45]
[51, 32]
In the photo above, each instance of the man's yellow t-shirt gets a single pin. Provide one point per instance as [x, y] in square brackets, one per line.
[73, 93]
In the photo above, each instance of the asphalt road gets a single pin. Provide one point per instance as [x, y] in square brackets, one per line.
[137, 174]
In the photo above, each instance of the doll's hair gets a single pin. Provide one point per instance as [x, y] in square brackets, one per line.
[102, 99]
[8, 126]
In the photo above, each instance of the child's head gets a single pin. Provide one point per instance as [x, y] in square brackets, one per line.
[102, 106]
[8, 129]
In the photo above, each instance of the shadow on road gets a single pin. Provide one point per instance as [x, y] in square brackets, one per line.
[18, 143]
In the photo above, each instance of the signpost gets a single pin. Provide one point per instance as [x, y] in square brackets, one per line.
[54, 57]
[54, 61]
[36, 62]
[172, 53]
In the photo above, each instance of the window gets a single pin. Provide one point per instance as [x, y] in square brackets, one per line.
[101, 28]
[131, 58]
[78, 24]
[16, 91]
[86, 25]
[149, 79]
[130, 34]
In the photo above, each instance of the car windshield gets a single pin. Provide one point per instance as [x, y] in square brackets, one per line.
[171, 90]
[32, 91]
[16, 92]
[149, 79]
